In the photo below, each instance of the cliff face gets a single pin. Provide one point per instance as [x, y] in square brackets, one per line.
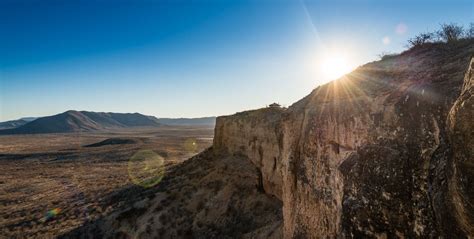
[255, 135]
[383, 151]
[461, 178]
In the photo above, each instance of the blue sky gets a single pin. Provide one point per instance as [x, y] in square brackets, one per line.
[191, 58]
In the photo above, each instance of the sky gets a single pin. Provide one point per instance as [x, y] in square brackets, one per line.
[192, 58]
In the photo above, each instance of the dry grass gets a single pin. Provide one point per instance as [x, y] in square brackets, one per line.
[40, 173]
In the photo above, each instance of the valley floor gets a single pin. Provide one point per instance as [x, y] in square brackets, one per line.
[51, 184]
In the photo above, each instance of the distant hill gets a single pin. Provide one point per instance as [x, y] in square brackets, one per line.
[78, 121]
[210, 121]
[15, 123]
[12, 124]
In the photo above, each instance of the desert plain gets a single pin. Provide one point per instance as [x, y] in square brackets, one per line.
[51, 184]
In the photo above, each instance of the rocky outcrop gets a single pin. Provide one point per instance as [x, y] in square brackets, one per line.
[373, 154]
[254, 134]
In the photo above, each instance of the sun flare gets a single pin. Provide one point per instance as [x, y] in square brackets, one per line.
[335, 64]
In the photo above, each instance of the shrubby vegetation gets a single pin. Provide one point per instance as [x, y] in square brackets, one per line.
[470, 31]
[448, 33]
[421, 39]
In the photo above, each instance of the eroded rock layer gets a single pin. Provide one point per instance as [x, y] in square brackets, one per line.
[385, 151]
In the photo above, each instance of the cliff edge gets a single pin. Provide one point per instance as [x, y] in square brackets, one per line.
[385, 151]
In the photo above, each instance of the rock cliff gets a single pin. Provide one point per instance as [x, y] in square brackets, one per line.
[460, 187]
[255, 135]
[386, 151]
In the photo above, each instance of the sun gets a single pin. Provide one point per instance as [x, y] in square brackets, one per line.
[334, 65]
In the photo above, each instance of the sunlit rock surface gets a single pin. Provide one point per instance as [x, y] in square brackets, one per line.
[384, 151]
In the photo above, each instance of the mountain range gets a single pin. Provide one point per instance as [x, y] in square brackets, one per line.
[82, 121]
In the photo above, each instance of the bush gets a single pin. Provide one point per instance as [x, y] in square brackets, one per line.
[470, 31]
[420, 39]
[450, 32]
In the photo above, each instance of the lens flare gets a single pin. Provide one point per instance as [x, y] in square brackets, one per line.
[191, 145]
[401, 28]
[146, 168]
[54, 212]
[51, 214]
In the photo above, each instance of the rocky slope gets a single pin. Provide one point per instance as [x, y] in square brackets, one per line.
[208, 196]
[385, 151]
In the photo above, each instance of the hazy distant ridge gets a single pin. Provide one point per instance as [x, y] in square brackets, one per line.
[15, 123]
[210, 121]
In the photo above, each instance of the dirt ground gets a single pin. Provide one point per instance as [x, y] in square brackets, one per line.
[51, 184]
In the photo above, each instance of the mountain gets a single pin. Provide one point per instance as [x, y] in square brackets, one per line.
[78, 121]
[204, 121]
[71, 121]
